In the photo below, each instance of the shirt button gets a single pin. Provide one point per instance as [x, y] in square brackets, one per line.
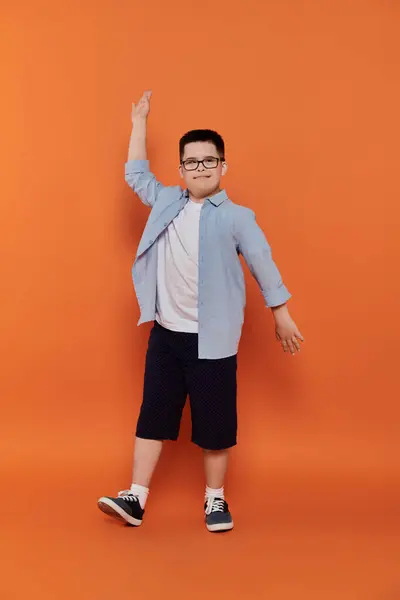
[151, 241]
[166, 223]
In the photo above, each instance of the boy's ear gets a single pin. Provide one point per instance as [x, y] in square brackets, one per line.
[181, 171]
[224, 168]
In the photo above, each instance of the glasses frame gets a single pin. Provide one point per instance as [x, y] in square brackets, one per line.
[201, 162]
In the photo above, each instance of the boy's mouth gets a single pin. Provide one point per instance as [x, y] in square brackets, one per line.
[202, 177]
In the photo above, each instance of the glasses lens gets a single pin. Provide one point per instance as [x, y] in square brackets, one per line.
[210, 162]
[190, 165]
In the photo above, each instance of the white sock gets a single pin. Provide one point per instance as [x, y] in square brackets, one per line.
[214, 493]
[141, 492]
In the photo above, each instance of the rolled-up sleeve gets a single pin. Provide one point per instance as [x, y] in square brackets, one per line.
[256, 251]
[139, 177]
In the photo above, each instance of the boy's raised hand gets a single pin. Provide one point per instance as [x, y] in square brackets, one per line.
[142, 108]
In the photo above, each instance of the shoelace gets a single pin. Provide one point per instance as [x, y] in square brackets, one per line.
[128, 496]
[215, 505]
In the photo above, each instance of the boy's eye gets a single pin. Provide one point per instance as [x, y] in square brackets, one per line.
[210, 161]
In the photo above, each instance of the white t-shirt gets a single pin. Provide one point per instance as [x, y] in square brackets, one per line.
[177, 271]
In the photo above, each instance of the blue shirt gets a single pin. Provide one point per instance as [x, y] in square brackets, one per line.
[227, 230]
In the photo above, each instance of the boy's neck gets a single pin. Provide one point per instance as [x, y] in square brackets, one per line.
[201, 200]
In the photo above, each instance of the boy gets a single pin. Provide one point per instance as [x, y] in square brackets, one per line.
[188, 280]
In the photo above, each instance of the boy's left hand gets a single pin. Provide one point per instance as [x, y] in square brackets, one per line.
[286, 330]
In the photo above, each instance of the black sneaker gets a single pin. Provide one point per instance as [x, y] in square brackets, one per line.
[126, 507]
[218, 517]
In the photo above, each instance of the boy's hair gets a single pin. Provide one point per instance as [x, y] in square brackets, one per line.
[202, 135]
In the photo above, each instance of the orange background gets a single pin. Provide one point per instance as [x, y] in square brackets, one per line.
[307, 97]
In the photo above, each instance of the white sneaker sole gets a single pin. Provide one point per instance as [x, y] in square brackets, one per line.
[220, 527]
[110, 508]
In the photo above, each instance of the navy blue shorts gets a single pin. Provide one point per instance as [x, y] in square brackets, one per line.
[173, 372]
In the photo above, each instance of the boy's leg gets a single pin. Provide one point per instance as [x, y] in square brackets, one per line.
[164, 396]
[215, 466]
[218, 517]
[145, 459]
[212, 390]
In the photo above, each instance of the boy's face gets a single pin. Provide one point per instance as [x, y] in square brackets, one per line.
[200, 180]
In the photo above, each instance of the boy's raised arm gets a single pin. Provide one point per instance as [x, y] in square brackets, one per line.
[137, 173]
[137, 144]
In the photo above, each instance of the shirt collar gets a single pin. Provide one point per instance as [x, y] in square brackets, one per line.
[216, 199]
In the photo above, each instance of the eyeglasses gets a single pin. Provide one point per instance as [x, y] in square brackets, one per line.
[210, 162]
